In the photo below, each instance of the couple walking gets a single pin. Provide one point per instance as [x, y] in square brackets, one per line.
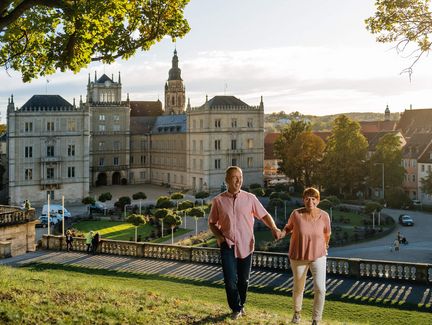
[231, 220]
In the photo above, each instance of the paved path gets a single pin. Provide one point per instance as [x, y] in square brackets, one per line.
[376, 292]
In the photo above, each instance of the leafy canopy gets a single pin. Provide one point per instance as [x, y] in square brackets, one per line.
[37, 37]
[407, 23]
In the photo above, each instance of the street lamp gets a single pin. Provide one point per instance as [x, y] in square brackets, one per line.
[382, 171]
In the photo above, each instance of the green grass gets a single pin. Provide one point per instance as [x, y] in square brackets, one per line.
[115, 230]
[57, 294]
[178, 232]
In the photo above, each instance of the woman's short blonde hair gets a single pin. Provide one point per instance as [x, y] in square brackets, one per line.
[311, 192]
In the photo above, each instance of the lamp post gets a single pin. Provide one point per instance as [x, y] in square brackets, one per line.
[382, 172]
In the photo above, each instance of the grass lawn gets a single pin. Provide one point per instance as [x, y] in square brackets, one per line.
[116, 230]
[180, 231]
[57, 294]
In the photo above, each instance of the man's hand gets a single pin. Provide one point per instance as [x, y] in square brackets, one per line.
[276, 232]
[220, 240]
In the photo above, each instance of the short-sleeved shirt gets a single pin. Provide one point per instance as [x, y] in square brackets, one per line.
[234, 216]
[307, 236]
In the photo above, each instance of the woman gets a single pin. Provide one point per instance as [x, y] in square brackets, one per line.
[310, 234]
[69, 240]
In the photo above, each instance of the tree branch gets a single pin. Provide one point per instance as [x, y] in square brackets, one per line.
[28, 4]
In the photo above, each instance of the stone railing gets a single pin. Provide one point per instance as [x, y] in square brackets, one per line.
[14, 215]
[350, 267]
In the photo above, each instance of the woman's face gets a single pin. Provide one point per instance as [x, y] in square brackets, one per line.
[310, 202]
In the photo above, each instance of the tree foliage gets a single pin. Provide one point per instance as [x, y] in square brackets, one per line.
[37, 37]
[407, 23]
[107, 196]
[304, 157]
[388, 152]
[139, 196]
[177, 196]
[284, 143]
[427, 184]
[137, 219]
[172, 220]
[122, 202]
[88, 200]
[343, 167]
[196, 212]
[187, 204]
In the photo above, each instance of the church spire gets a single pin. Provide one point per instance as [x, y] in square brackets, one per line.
[175, 71]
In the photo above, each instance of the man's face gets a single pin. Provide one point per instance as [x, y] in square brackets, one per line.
[234, 181]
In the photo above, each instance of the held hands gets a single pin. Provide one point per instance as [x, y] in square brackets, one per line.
[278, 234]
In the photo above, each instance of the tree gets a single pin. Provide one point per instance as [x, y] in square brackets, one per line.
[177, 196]
[37, 37]
[196, 212]
[122, 202]
[388, 152]
[160, 214]
[107, 196]
[304, 156]
[136, 220]
[343, 167]
[164, 202]
[427, 183]
[202, 195]
[172, 220]
[285, 141]
[407, 23]
[88, 200]
[139, 196]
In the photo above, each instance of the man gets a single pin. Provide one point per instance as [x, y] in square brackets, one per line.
[231, 220]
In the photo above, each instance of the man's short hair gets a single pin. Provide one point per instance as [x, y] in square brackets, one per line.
[230, 168]
[311, 192]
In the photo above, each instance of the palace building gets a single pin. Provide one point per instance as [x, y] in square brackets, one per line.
[57, 148]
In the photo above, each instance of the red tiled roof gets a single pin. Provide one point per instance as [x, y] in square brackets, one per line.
[415, 121]
[377, 126]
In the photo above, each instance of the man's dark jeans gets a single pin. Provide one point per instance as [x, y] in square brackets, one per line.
[236, 276]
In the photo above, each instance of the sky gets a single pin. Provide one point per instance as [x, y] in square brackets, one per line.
[312, 56]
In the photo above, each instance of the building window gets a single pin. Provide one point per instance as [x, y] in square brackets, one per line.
[28, 152]
[101, 117]
[201, 164]
[217, 144]
[233, 162]
[422, 167]
[250, 123]
[193, 145]
[28, 174]
[233, 144]
[101, 127]
[217, 123]
[50, 151]
[101, 145]
[131, 159]
[194, 164]
[201, 145]
[116, 127]
[413, 178]
[234, 123]
[101, 161]
[142, 175]
[71, 150]
[115, 161]
[194, 124]
[28, 127]
[50, 126]
[250, 162]
[116, 117]
[143, 160]
[50, 173]
[116, 145]
[250, 143]
[71, 172]
[217, 164]
[50, 194]
[201, 124]
[71, 125]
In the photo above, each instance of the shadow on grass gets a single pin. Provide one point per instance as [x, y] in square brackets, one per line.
[352, 299]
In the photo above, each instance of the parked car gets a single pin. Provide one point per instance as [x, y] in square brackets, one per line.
[406, 220]
[98, 207]
[54, 219]
[55, 209]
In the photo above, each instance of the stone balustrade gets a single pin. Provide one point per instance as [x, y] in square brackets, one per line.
[13, 215]
[350, 267]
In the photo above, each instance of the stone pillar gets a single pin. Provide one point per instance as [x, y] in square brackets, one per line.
[5, 249]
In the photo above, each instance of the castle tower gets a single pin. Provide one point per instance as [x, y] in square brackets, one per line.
[175, 98]
[387, 114]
